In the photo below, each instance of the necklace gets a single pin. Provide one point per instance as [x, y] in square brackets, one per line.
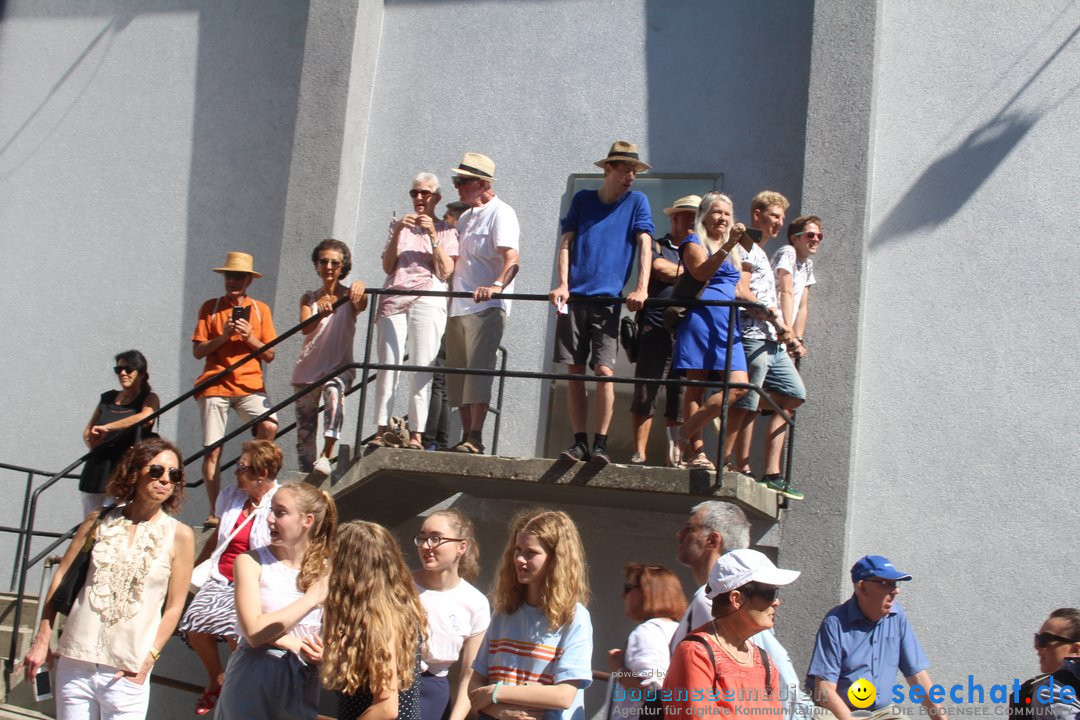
[732, 650]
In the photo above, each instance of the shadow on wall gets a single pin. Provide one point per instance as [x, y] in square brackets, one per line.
[951, 180]
[247, 91]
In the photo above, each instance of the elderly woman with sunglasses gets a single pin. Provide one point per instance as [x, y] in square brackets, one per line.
[134, 593]
[115, 425]
[719, 658]
[652, 597]
[243, 509]
[419, 255]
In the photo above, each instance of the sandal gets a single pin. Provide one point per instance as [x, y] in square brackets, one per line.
[700, 461]
[206, 702]
[376, 442]
[211, 522]
[468, 448]
[413, 445]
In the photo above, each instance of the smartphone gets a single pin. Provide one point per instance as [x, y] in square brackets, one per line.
[754, 234]
[241, 312]
[42, 685]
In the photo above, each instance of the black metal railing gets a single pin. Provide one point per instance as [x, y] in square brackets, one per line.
[24, 560]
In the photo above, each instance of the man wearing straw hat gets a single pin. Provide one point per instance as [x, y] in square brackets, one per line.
[655, 342]
[487, 264]
[600, 233]
[228, 328]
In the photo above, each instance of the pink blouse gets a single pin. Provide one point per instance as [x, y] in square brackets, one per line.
[415, 268]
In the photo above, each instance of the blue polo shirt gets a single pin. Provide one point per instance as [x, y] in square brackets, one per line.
[602, 254]
[849, 647]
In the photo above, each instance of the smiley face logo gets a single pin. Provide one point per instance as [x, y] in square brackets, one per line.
[861, 694]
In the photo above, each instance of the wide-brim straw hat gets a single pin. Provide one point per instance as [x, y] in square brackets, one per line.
[623, 151]
[476, 165]
[687, 203]
[239, 262]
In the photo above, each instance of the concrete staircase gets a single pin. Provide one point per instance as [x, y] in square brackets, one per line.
[15, 703]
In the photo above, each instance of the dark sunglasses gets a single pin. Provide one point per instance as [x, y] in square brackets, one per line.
[327, 262]
[627, 587]
[769, 593]
[1044, 638]
[460, 180]
[156, 472]
[414, 193]
[124, 369]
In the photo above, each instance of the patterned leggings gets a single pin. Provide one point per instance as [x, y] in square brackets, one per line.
[307, 419]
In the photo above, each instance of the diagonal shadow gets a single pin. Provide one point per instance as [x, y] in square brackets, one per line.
[950, 181]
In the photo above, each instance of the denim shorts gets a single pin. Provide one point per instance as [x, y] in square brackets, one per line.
[770, 368]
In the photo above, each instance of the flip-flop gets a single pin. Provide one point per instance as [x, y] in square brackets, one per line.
[206, 702]
[700, 461]
[468, 448]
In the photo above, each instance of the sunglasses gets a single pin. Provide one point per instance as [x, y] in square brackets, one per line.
[1044, 638]
[433, 541]
[242, 467]
[889, 585]
[327, 262]
[460, 180]
[124, 369]
[769, 594]
[156, 472]
[414, 193]
[811, 235]
[627, 587]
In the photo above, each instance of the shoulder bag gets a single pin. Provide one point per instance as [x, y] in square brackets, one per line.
[72, 583]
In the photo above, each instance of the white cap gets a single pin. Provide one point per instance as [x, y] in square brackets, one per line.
[738, 567]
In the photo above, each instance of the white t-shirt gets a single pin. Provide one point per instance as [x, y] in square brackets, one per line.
[453, 616]
[647, 657]
[802, 275]
[763, 285]
[481, 231]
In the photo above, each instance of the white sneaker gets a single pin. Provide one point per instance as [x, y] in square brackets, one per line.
[322, 467]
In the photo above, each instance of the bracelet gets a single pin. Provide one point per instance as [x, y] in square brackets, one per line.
[497, 283]
[801, 341]
[495, 693]
[155, 654]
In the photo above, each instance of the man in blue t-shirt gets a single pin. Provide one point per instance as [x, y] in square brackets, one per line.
[868, 638]
[600, 233]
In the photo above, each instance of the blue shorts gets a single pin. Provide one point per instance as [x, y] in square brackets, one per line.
[770, 368]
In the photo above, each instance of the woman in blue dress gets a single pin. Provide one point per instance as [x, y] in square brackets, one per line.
[702, 336]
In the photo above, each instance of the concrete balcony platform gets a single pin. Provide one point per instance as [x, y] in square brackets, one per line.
[389, 486]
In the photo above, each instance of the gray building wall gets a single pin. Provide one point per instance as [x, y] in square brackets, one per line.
[138, 144]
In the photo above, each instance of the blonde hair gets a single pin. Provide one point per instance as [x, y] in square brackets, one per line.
[469, 564]
[565, 582]
[311, 500]
[372, 617]
[710, 244]
[766, 199]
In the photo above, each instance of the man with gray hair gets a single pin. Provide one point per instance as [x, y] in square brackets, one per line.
[714, 528]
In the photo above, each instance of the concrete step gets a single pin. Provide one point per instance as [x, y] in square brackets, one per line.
[14, 712]
[389, 486]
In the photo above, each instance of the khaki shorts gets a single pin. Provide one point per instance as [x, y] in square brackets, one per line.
[215, 413]
[471, 342]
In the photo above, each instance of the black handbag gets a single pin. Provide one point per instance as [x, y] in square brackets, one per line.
[630, 337]
[72, 583]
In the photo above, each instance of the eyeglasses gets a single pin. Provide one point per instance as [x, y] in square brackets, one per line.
[433, 541]
[415, 193]
[460, 180]
[889, 585]
[627, 587]
[327, 262]
[156, 472]
[124, 369]
[769, 593]
[811, 235]
[1044, 638]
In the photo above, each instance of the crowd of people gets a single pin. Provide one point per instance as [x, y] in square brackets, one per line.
[473, 248]
[305, 603]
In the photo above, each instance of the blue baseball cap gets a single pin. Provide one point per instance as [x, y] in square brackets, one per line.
[876, 566]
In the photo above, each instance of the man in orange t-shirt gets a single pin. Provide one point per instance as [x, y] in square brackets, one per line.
[230, 327]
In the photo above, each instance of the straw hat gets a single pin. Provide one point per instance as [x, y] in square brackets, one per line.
[623, 151]
[238, 262]
[689, 203]
[476, 165]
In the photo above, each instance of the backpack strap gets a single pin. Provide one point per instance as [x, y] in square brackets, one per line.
[712, 657]
[768, 670]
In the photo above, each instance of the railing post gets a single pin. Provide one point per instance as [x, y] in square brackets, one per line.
[498, 415]
[369, 334]
[726, 392]
[22, 525]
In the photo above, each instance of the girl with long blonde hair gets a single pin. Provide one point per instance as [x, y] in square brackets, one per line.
[457, 612]
[374, 626]
[537, 655]
[280, 590]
